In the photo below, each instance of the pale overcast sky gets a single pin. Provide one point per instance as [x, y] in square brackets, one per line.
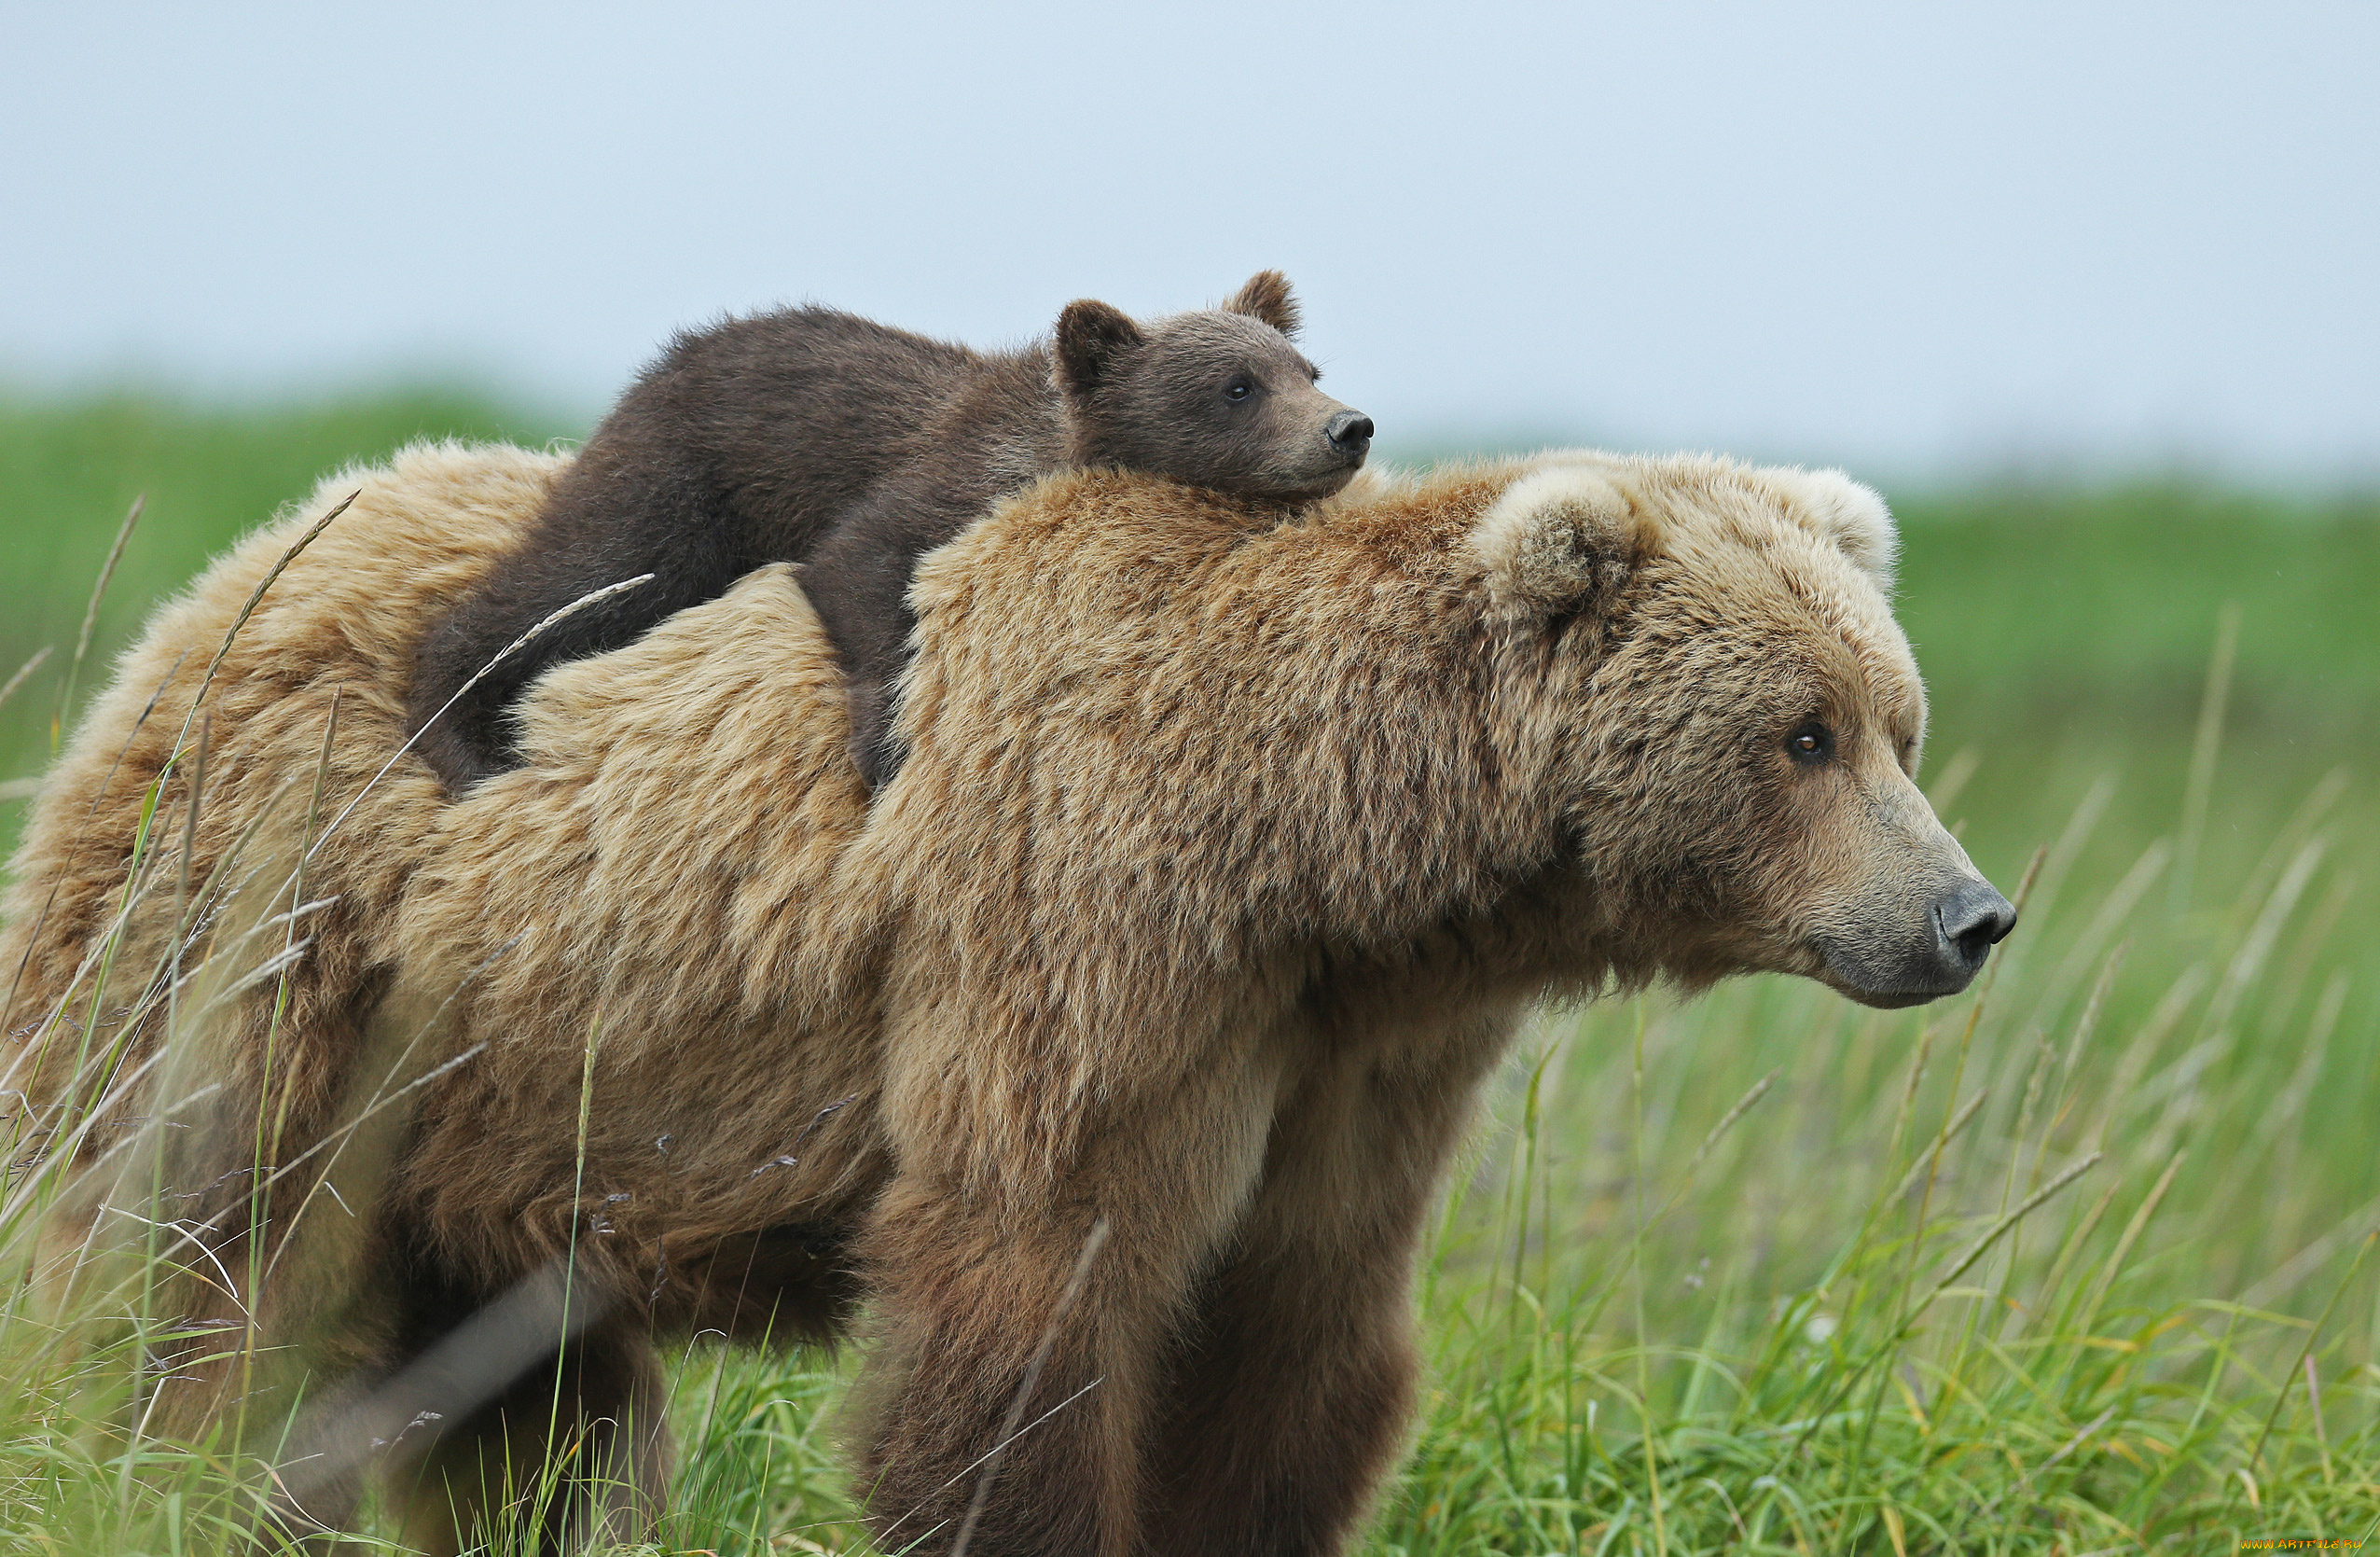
[1915, 239]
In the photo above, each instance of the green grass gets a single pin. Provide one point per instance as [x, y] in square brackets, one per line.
[69, 472]
[1660, 1319]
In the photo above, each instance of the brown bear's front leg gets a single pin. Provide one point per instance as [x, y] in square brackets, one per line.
[971, 1278]
[1290, 1395]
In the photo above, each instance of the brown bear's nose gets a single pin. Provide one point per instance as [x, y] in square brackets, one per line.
[1351, 430]
[1969, 922]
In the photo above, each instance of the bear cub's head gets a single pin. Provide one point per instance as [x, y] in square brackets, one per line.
[1217, 398]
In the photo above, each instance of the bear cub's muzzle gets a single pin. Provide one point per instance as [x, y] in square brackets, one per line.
[1350, 434]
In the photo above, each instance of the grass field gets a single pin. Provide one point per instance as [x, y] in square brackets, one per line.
[2074, 1263]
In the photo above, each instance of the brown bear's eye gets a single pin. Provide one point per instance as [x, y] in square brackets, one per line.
[1239, 389]
[1810, 743]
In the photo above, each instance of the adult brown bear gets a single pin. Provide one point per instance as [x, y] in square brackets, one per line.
[1114, 1052]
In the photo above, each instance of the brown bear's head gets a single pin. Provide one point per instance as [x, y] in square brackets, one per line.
[1217, 398]
[1739, 743]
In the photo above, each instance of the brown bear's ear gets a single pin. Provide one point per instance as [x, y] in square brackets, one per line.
[1558, 538]
[1851, 515]
[1091, 336]
[1267, 297]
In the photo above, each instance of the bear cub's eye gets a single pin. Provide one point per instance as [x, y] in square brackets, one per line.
[1239, 388]
[1810, 743]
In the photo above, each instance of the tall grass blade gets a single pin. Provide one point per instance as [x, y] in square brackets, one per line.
[90, 621]
[2204, 747]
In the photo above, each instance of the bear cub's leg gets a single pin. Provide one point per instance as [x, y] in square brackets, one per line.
[859, 585]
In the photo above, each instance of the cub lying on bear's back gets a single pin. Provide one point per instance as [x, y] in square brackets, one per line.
[811, 436]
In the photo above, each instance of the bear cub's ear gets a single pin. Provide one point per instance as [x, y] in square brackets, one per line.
[1092, 337]
[1557, 539]
[1266, 297]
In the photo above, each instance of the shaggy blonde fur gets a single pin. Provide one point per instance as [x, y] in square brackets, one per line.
[1226, 857]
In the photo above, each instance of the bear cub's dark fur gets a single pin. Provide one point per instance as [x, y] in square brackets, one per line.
[814, 437]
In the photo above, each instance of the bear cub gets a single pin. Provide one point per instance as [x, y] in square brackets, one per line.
[816, 436]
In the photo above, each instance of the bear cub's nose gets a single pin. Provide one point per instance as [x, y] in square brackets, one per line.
[1350, 431]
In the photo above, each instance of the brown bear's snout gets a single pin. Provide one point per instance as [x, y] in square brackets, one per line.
[1351, 433]
[1905, 954]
